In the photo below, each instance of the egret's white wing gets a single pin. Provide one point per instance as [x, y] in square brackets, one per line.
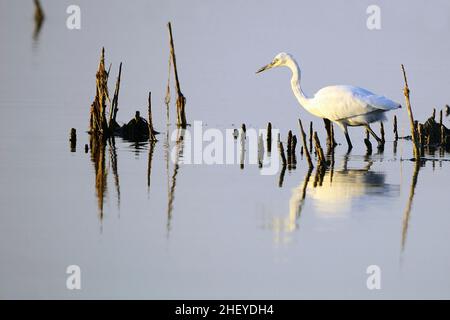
[341, 102]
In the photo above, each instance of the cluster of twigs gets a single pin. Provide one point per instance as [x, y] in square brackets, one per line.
[103, 125]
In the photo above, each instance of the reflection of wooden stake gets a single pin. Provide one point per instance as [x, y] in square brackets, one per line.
[411, 118]
[181, 100]
[407, 212]
[260, 151]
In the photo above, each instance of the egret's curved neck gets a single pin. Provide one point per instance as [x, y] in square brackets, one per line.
[295, 84]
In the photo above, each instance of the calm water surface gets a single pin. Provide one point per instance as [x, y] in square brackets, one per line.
[199, 231]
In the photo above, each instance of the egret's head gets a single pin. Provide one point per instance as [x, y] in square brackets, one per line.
[280, 59]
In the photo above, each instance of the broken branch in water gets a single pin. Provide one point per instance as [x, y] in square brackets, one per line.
[281, 150]
[305, 147]
[395, 128]
[319, 150]
[269, 138]
[73, 140]
[368, 143]
[181, 100]
[151, 131]
[411, 118]
[39, 18]
[113, 125]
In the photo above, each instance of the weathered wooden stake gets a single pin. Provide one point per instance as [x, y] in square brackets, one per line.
[151, 130]
[98, 122]
[269, 137]
[395, 128]
[330, 138]
[310, 136]
[39, 18]
[281, 150]
[383, 139]
[115, 102]
[288, 147]
[305, 147]
[319, 150]
[421, 138]
[441, 127]
[294, 145]
[411, 118]
[368, 143]
[73, 139]
[181, 100]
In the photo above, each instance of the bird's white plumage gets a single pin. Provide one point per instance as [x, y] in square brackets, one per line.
[344, 105]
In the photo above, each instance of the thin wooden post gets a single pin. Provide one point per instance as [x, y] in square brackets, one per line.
[411, 118]
[442, 131]
[269, 137]
[181, 100]
[288, 147]
[73, 140]
[281, 150]
[319, 150]
[151, 130]
[368, 143]
[305, 146]
[115, 102]
[395, 128]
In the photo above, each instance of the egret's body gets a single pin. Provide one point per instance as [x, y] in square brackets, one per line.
[344, 105]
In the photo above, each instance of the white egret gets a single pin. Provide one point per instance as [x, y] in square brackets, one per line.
[343, 105]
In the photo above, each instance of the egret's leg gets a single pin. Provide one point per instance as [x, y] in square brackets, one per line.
[347, 137]
[373, 134]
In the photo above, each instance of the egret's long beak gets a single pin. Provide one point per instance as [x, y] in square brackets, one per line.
[266, 67]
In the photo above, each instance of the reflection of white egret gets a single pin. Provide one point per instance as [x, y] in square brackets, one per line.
[344, 105]
[333, 198]
[334, 195]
